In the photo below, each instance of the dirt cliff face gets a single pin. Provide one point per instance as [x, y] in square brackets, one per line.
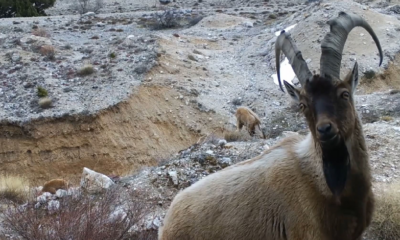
[137, 132]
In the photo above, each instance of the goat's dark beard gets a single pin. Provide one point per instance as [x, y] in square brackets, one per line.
[336, 166]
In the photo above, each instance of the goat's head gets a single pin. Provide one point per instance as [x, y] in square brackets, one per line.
[327, 101]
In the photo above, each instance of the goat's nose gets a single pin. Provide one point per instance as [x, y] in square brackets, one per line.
[324, 128]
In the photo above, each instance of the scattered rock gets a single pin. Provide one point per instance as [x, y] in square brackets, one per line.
[224, 162]
[174, 177]
[53, 205]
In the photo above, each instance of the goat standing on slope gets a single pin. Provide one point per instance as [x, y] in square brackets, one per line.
[316, 187]
[246, 117]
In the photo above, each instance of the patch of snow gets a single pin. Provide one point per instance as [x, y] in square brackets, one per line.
[277, 33]
[287, 73]
[286, 69]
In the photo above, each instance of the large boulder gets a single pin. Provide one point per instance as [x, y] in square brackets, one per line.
[94, 182]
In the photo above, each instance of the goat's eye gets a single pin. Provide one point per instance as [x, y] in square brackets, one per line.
[302, 106]
[345, 95]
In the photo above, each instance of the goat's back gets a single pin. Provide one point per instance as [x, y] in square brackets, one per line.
[246, 115]
[256, 199]
[53, 185]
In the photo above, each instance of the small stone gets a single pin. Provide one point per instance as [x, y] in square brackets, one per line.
[45, 102]
[222, 142]
[53, 205]
[174, 177]
[157, 223]
[43, 198]
[191, 57]
[61, 193]
[89, 14]
[224, 162]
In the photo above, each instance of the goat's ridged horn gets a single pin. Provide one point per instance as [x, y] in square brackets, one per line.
[285, 43]
[333, 43]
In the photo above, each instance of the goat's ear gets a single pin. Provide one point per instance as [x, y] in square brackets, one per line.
[293, 92]
[352, 78]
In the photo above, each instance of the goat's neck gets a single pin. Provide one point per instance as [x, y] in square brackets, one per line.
[358, 150]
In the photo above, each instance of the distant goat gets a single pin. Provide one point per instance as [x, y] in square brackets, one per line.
[314, 187]
[53, 185]
[246, 117]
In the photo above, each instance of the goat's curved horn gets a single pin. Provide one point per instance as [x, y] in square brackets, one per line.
[285, 43]
[333, 43]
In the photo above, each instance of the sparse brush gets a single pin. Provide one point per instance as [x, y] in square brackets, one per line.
[45, 102]
[86, 70]
[82, 217]
[41, 92]
[386, 221]
[48, 51]
[40, 32]
[387, 118]
[233, 136]
[369, 74]
[13, 188]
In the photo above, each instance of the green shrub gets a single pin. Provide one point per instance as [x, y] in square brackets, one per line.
[112, 55]
[24, 8]
[41, 92]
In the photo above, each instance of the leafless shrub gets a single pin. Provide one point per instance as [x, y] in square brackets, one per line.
[48, 51]
[84, 6]
[108, 217]
[40, 32]
[165, 19]
[233, 136]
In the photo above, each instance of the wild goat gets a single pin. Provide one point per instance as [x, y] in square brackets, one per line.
[246, 117]
[53, 185]
[314, 187]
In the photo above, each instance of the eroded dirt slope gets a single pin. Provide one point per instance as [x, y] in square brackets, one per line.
[149, 126]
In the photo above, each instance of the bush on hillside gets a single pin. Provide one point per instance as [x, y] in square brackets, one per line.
[108, 216]
[24, 8]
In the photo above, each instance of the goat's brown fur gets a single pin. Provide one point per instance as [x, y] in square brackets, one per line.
[246, 117]
[53, 185]
[282, 194]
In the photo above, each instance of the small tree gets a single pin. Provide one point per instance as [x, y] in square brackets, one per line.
[41, 5]
[24, 8]
[84, 6]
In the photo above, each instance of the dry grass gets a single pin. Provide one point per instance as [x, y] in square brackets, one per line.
[48, 51]
[381, 82]
[86, 70]
[82, 217]
[40, 32]
[13, 188]
[233, 136]
[386, 221]
[387, 118]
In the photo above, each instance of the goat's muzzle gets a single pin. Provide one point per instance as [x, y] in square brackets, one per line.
[328, 134]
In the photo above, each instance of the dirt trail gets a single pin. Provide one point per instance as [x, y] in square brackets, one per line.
[138, 132]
